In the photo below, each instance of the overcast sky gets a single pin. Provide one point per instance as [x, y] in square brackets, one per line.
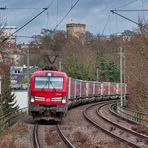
[93, 13]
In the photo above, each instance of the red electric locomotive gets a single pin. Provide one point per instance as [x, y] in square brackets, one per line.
[50, 91]
[48, 95]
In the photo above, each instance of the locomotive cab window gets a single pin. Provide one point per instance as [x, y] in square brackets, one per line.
[52, 82]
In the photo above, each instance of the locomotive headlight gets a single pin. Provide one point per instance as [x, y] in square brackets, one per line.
[32, 99]
[49, 74]
[64, 100]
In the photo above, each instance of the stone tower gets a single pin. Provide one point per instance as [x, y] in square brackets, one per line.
[76, 30]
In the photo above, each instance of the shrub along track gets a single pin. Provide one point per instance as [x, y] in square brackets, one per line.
[98, 119]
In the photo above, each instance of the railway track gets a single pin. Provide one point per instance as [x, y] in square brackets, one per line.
[120, 133]
[36, 134]
[36, 142]
[126, 128]
[64, 138]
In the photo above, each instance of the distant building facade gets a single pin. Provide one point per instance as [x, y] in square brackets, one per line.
[19, 76]
[7, 32]
[11, 53]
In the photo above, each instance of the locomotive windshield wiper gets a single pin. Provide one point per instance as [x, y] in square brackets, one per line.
[43, 88]
[52, 85]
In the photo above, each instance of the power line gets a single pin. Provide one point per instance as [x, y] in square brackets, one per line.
[116, 23]
[124, 5]
[23, 36]
[117, 9]
[113, 11]
[71, 2]
[57, 13]
[106, 23]
[142, 7]
[5, 8]
[130, 10]
[44, 9]
[66, 14]
[48, 20]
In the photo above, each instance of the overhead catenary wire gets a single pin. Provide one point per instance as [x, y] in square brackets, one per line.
[57, 13]
[5, 39]
[48, 20]
[139, 24]
[127, 4]
[116, 23]
[106, 23]
[116, 9]
[113, 11]
[130, 10]
[71, 2]
[57, 25]
[142, 7]
[44, 9]
[24, 36]
[6, 8]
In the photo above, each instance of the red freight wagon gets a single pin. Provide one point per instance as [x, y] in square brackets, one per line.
[97, 88]
[83, 89]
[90, 89]
[113, 88]
[105, 88]
[78, 88]
[72, 88]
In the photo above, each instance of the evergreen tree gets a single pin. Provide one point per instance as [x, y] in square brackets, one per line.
[108, 71]
[9, 102]
[8, 98]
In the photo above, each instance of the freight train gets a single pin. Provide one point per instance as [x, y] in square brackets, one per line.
[52, 92]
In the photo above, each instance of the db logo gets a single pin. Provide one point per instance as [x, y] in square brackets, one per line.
[47, 100]
[58, 94]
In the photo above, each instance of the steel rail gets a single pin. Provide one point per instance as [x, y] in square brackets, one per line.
[114, 113]
[133, 116]
[61, 134]
[112, 110]
[105, 130]
[119, 126]
[66, 141]
[36, 143]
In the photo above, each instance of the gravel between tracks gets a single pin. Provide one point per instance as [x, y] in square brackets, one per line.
[49, 137]
[75, 127]
[115, 119]
[106, 113]
[83, 134]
